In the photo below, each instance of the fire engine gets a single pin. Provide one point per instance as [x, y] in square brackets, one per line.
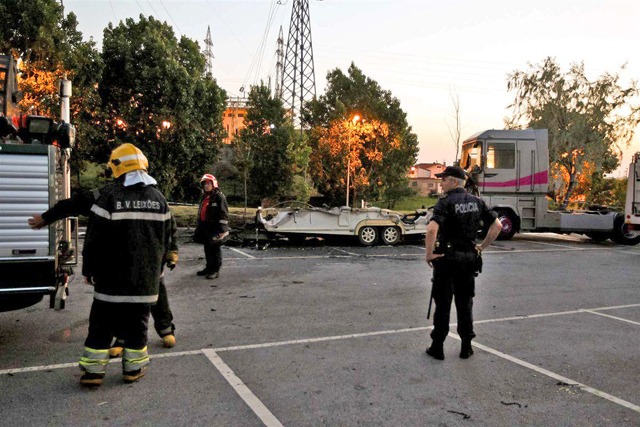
[34, 175]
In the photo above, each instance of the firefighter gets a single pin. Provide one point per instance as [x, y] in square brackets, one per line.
[80, 204]
[127, 237]
[452, 252]
[212, 228]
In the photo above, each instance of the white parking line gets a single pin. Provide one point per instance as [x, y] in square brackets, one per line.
[612, 317]
[329, 338]
[346, 252]
[551, 244]
[243, 391]
[555, 376]
[242, 253]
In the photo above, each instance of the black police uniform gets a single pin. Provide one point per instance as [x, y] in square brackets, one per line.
[458, 215]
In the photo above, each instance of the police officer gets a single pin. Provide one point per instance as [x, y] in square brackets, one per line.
[127, 237]
[455, 257]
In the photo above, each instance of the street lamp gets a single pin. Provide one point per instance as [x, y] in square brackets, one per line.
[354, 120]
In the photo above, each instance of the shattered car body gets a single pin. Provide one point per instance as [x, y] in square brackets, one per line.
[369, 225]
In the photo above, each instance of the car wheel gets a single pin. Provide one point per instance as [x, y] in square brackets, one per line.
[622, 235]
[368, 235]
[390, 235]
[508, 222]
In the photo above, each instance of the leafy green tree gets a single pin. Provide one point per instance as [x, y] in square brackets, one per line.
[155, 95]
[269, 153]
[588, 121]
[396, 147]
[49, 46]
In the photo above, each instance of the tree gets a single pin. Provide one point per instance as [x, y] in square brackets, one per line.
[269, 153]
[385, 159]
[588, 121]
[457, 130]
[49, 47]
[155, 95]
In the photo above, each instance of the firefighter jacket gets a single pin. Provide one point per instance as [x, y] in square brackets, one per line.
[128, 234]
[460, 215]
[216, 217]
[79, 204]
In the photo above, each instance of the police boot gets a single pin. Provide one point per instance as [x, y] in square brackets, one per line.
[466, 350]
[202, 272]
[436, 350]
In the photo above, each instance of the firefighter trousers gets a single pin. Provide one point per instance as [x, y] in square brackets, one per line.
[127, 321]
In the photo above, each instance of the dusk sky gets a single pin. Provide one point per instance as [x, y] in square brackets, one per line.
[420, 50]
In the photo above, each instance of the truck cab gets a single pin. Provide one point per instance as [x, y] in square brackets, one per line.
[510, 170]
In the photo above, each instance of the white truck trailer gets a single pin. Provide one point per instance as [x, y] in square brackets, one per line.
[34, 175]
[511, 171]
[370, 225]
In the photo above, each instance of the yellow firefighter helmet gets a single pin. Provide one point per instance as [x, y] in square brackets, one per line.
[127, 158]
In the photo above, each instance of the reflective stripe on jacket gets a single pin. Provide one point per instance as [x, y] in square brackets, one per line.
[127, 236]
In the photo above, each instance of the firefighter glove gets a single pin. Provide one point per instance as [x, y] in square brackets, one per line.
[171, 258]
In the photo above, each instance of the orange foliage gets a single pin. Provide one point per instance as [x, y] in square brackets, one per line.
[40, 89]
[361, 145]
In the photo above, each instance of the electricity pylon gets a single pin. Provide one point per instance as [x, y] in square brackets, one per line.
[298, 78]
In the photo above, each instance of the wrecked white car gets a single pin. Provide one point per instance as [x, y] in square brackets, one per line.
[369, 224]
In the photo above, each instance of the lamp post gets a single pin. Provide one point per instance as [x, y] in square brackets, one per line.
[355, 119]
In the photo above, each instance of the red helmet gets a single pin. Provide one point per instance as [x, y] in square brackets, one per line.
[210, 178]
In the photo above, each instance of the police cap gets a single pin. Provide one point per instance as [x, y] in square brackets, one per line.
[453, 171]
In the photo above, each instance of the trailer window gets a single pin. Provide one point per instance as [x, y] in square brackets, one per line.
[501, 155]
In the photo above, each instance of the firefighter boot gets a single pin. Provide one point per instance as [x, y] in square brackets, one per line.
[436, 350]
[133, 376]
[168, 341]
[115, 351]
[93, 364]
[134, 364]
[466, 351]
[89, 379]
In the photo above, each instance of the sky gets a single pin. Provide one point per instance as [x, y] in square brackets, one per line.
[425, 52]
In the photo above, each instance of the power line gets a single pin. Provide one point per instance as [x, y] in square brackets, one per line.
[171, 17]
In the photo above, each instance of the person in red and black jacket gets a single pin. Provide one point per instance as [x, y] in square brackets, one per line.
[212, 228]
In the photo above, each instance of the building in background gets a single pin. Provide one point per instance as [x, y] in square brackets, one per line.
[422, 178]
[233, 118]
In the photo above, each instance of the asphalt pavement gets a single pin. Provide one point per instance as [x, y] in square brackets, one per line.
[334, 334]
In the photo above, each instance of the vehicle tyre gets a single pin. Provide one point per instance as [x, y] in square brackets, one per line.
[368, 235]
[598, 237]
[390, 235]
[296, 239]
[621, 233]
[508, 221]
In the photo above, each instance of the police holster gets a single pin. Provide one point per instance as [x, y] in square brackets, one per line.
[470, 260]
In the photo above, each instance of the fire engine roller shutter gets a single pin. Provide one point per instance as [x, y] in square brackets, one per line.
[24, 190]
